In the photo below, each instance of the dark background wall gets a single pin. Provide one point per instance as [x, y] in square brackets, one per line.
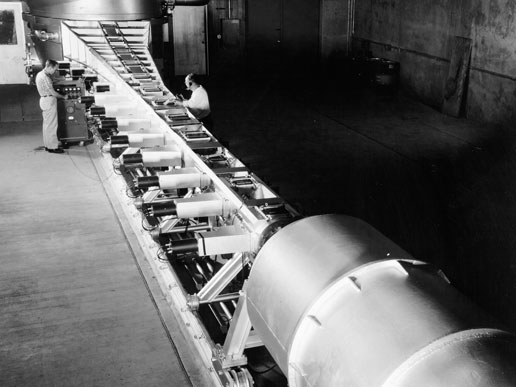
[267, 36]
[420, 34]
[467, 209]
[226, 36]
[273, 37]
[492, 91]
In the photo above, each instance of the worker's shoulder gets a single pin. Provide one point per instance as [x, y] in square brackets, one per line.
[202, 90]
[40, 75]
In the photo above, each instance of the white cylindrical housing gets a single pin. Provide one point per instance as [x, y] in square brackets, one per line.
[183, 178]
[103, 99]
[210, 204]
[161, 159]
[125, 109]
[133, 124]
[338, 304]
[145, 140]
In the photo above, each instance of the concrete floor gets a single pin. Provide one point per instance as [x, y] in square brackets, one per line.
[77, 306]
[442, 188]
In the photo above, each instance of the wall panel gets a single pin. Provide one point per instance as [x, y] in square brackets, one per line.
[402, 29]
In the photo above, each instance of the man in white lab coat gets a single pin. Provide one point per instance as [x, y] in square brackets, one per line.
[48, 105]
[198, 104]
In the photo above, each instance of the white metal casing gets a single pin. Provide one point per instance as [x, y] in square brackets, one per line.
[141, 140]
[230, 239]
[161, 158]
[338, 304]
[183, 178]
[210, 204]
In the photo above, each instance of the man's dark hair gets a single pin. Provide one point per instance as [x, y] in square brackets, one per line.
[51, 63]
[193, 78]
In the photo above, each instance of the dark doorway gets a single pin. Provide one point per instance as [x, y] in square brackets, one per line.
[263, 35]
[282, 36]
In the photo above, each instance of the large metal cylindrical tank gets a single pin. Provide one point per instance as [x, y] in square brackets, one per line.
[338, 304]
[96, 9]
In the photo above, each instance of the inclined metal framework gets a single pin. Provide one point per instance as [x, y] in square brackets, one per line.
[228, 211]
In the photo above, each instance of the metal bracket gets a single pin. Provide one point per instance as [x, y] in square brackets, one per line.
[232, 353]
[223, 277]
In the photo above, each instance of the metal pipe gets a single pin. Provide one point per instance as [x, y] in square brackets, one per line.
[182, 229]
[170, 51]
[223, 277]
[190, 2]
[226, 311]
[216, 316]
[199, 268]
[221, 298]
[46, 36]
[194, 301]
[96, 9]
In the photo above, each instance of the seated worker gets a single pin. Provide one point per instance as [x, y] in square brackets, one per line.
[198, 104]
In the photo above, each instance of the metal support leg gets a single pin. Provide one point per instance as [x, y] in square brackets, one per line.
[223, 277]
[232, 353]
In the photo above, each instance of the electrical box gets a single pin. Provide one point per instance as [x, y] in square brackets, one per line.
[72, 123]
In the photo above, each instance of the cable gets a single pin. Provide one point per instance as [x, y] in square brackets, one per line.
[261, 372]
[84, 174]
[148, 227]
[132, 196]
[127, 190]
[116, 167]
[160, 255]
